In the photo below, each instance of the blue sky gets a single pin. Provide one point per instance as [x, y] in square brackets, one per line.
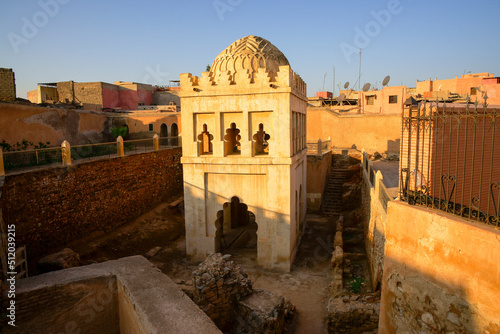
[154, 41]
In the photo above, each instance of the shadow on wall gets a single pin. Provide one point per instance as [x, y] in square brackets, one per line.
[414, 302]
[393, 146]
[277, 237]
[440, 273]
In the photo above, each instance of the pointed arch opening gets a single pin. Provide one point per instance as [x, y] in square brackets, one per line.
[236, 229]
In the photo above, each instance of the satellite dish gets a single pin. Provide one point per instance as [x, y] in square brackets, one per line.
[386, 81]
[346, 85]
[366, 87]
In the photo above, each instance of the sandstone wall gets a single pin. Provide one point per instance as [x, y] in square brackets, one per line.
[7, 85]
[441, 273]
[54, 206]
[380, 132]
[374, 225]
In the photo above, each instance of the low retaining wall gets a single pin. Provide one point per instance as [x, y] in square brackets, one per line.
[52, 207]
[128, 295]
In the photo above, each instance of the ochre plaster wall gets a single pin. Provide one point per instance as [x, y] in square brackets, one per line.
[380, 133]
[38, 124]
[441, 273]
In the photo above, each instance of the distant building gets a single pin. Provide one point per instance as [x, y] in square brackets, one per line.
[388, 100]
[325, 95]
[99, 96]
[476, 85]
[7, 85]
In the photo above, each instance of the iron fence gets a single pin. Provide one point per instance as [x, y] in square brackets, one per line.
[89, 151]
[138, 145]
[30, 158]
[13, 160]
[450, 159]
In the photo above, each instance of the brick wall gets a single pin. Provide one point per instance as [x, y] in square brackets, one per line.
[7, 85]
[52, 207]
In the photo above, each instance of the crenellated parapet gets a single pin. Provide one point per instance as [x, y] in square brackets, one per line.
[262, 80]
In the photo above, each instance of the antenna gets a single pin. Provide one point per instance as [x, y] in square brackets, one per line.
[346, 85]
[324, 81]
[386, 81]
[366, 87]
[359, 76]
[333, 93]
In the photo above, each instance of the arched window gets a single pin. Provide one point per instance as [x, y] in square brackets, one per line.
[205, 141]
[232, 139]
[261, 145]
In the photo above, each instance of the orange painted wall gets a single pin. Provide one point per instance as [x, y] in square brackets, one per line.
[441, 273]
[381, 100]
[373, 132]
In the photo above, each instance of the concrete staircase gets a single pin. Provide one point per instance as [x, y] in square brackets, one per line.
[332, 201]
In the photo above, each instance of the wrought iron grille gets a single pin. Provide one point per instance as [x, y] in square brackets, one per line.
[450, 159]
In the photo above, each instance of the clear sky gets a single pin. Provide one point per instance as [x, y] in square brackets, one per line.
[154, 41]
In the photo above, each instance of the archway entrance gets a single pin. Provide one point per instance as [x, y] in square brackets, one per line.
[236, 229]
[163, 130]
[174, 132]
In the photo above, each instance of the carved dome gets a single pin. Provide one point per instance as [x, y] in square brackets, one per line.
[249, 53]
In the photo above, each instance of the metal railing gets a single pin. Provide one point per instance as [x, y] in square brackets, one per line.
[89, 151]
[14, 160]
[138, 145]
[450, 160]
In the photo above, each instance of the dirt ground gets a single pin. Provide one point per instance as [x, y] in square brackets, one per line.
[159, 236]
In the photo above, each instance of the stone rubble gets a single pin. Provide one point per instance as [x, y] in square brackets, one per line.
[225, 293]
[64, 259]
[347, 312]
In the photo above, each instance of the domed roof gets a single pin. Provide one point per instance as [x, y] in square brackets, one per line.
[249, 53]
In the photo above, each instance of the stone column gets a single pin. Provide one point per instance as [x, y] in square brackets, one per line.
[156, 142]
[378, 182]
[66, 153]
[119, 146]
